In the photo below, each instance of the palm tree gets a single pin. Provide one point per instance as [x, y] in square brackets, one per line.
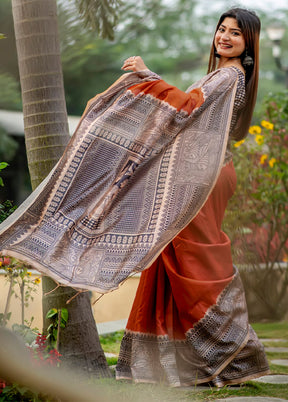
[46, 135]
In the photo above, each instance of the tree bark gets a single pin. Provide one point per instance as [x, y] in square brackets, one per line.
[79, 342]
[46, 135]
[44, 107]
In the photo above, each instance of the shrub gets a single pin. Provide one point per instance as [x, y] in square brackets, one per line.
[257, 217]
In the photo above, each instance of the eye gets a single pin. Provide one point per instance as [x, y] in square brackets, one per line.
[221, 29]
[236, 33]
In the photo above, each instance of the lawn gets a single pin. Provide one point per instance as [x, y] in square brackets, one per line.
[148, 392]
[271, 330]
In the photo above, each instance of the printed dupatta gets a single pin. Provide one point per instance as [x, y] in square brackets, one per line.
[140, 165]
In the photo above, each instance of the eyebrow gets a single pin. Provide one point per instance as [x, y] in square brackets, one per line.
[233, 29]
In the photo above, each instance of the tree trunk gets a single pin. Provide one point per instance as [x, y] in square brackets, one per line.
[46, 135]
[79, 342]
[44, 108]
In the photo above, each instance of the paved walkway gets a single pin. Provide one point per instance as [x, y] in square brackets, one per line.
[277, 348]
[273, 379]
[280, 362]
[112, 326]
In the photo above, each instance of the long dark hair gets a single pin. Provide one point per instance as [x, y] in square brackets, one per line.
[250, 26]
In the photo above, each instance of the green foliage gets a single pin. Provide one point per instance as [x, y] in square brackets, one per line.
[3, 165]
[6, 209]
[59, 318]
[15, 392]
[4, 318]
[101, 15]
[27, 333]
[8, 53]
[10, 92]
[257, 218]
[8, 146]
[153, 29]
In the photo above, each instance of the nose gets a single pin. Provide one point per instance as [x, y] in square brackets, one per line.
[225, 36]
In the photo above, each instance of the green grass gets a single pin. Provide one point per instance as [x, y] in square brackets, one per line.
[275, 369]
[112, 361]
[275, 330]
[275, 344]
[127, 391]
[111, 342]
[277, 355]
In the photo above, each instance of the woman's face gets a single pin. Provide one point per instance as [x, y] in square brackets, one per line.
[229, 40]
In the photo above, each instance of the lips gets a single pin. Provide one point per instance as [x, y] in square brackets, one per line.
[225, 45]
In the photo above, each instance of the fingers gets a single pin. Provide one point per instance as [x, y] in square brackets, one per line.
[129, 64]
[134, 63]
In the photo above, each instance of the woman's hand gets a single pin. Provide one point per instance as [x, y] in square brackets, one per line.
[134, 63]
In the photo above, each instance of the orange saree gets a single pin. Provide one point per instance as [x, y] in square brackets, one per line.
[189, 321]
[143, 162]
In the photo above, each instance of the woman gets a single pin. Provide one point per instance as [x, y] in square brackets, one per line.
[142, 163]
[188, 323]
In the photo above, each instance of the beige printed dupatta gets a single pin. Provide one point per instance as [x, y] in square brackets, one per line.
[138, 168]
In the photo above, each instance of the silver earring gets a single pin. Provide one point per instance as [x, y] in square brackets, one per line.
[248, 60]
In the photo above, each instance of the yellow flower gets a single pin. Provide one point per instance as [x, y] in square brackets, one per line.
[259, 139]
[237, 144]
[28, 273]
[267, 125]
[263, 158]
[255, 130]
[89, 46]
[9, 269]
[0, 263]
[37, 280]
[271, 162]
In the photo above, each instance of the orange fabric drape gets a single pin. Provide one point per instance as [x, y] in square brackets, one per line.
[191, 272]
[186, 102]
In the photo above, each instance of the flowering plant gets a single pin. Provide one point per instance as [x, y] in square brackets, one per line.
[42, 355]
[260, 207]
[17, 274]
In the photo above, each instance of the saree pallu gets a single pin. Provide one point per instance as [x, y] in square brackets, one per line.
[189, 324]
[140, 165]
